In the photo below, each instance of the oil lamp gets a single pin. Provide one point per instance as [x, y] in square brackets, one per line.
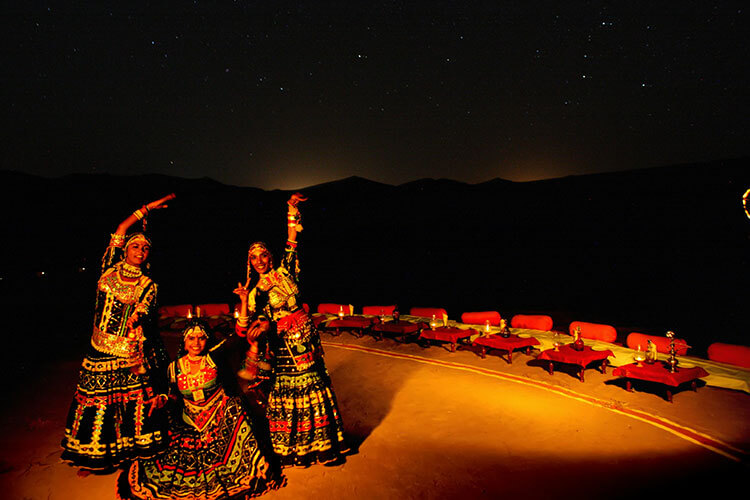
[556, 341]
[341, 312]
[639, 356]
[190, 313]
[433, 323]
[487, 328]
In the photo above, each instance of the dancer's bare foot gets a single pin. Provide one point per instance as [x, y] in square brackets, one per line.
[83, 473]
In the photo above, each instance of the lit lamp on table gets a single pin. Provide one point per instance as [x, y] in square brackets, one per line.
[433, 323]
[639, 356]
[486, 329]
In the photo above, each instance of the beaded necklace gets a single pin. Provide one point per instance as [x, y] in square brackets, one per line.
[129, 271]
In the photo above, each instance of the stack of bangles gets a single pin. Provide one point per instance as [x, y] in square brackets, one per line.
[292, 219]
[291, 244]
[141, 212]
[243, 321]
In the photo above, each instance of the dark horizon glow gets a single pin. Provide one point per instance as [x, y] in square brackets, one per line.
[291, 94]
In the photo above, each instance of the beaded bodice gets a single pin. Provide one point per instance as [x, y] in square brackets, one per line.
[190, 384]
[116, 301]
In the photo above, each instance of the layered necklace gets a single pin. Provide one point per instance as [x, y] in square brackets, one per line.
[195, 381]
[129, 271]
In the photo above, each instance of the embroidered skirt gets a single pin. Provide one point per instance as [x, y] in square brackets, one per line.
[220, 460]
[108, 421]
[302, 412]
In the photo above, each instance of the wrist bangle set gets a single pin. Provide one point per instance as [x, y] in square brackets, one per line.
[141, 212]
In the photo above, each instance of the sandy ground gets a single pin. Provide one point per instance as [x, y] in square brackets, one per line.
[446, 425]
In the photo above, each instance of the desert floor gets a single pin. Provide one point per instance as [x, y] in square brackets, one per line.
[428, 423]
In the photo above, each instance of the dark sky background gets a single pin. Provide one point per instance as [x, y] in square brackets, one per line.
[279, 94]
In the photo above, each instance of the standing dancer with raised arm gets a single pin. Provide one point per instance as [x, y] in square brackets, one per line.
[116, 412]
[303, 416]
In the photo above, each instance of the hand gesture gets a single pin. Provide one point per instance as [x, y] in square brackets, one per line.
[257, 328]
[131, 321]
[242, 290]
[160, 203]
[156, 402]
[295, 199]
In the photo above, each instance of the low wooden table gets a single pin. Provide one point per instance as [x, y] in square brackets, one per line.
[508, 344]
[447, 334]
[353, 323]
[659, 372]
[396, 328]
[566, 354]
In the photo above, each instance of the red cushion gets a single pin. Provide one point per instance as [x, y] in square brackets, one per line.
[378, 310]
[179, 311]
[595, 331]
[332, 308]
[636, 339]
[213, 309]
[427, 312]
[532, 322]
[733, 354]
[480, 318]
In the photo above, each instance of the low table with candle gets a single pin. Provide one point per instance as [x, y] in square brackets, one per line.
[352, 323]
[508, 344]
[566, 354]
[397, 328]
[447, 334]
[659, 373]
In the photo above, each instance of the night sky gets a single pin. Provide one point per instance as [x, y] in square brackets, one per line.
[280, 94]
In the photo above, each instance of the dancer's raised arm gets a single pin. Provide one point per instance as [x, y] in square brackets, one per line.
[143, 212]
[294, 218]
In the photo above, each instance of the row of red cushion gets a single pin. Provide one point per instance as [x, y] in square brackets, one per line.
[725, 353]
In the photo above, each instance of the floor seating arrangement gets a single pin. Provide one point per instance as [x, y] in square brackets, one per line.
[727, 365]
[398, 329]
[328, 308]
[379, 310]
[532, 322]
[636, 340]
[595, 331]
[173, 317]
[481, 318]
[496, 340]
[438, 333]
[732, 354]
[346, 320]
[428, 312]
[216, 315]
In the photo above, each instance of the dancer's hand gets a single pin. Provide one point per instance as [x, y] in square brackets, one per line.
[156, 402]
[242, 290]
[257, 328]
[161, 203]
[295, 199]
[130, 323]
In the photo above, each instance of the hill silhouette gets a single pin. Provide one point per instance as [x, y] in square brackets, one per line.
[650, 249]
